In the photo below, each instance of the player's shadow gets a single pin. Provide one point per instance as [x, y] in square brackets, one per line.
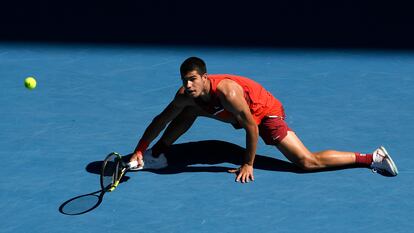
[211, 156]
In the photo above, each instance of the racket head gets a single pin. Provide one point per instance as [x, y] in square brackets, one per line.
[111, 171]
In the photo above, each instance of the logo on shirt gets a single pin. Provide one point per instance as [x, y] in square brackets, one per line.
[276, 138]
[217, 110]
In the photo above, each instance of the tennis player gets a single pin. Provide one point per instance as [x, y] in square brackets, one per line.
[246, 105]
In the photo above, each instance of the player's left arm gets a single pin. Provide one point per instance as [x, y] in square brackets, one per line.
[232, 99]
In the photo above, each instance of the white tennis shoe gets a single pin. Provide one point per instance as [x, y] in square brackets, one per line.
[382, 162]
[150, 162]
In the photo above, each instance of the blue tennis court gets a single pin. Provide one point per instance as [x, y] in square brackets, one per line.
[94, 99]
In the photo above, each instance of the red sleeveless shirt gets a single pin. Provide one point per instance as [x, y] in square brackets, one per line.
[260, 101]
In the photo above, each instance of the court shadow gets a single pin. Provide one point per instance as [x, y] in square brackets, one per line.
[210, 156]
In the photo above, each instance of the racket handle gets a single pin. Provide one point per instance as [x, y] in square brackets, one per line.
[114, 186]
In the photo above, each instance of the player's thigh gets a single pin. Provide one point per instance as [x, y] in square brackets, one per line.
[293, 149]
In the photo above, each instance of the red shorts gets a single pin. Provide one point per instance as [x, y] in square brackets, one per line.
[273, 130]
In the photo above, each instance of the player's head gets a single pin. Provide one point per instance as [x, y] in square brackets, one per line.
[194, 77]
[193, 64]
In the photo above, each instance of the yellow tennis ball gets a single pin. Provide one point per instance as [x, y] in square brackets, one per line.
[30, 83]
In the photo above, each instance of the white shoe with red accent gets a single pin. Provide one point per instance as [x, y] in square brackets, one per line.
[383, 163]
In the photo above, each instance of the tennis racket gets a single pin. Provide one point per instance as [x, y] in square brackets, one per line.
[113, 169]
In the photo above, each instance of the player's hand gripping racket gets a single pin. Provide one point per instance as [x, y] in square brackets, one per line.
[113, 169]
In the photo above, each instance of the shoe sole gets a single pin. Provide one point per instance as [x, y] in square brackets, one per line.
[392, 164]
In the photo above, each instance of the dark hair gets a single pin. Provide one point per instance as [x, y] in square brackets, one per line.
[191, 64]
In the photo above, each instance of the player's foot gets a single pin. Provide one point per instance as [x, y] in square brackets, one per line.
[152, 162]
[382, 162]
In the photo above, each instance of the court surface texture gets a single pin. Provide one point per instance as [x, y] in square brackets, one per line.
[94, 99]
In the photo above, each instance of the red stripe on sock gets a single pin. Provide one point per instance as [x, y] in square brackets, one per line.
[365, 159]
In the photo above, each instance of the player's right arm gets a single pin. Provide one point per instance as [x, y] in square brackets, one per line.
[159, 123]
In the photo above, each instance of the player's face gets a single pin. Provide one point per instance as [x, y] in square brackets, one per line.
[194, 83]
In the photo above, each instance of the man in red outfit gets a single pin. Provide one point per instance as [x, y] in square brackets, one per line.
[245, 104]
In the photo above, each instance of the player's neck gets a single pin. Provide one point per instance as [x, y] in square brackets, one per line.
[206, 93]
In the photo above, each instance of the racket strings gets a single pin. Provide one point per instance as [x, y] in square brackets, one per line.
[118, 172]
[110, 171]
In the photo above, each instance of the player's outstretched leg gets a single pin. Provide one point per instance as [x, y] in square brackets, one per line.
[294, 150]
